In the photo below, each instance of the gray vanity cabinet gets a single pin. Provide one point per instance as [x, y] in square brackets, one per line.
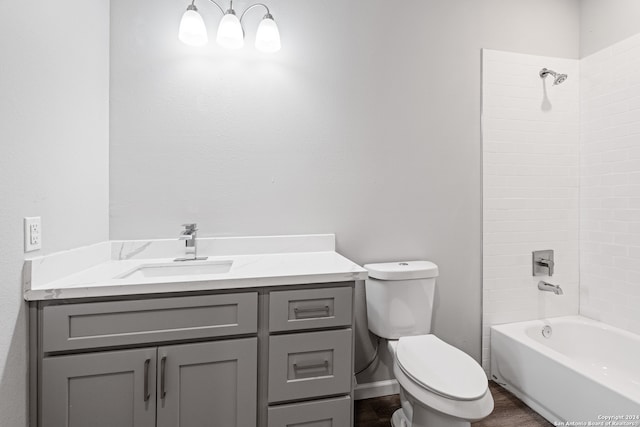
[107, 389]
[267, 357]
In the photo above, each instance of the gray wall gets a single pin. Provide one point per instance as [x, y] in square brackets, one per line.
[54, 87]
[603, 23]
[366, 124]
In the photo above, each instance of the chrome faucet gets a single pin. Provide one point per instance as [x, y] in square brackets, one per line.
[548, 287]
[189, 235]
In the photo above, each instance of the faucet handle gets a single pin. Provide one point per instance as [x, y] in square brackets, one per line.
[190, 227]
[543, 263]
[546, 262]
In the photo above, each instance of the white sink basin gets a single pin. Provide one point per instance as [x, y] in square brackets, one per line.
[180, 268]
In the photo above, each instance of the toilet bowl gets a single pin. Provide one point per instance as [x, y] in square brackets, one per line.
[440, 385]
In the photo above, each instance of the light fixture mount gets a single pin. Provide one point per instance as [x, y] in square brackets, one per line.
[230, 30]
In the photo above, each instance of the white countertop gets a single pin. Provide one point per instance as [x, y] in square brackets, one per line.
[96, 271]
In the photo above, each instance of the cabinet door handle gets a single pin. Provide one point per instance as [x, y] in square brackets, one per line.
[147, 395]
[163, 364]
[304, 311]
[324, 365]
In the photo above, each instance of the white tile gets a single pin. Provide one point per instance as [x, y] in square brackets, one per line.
[610, 247]
[530, 184]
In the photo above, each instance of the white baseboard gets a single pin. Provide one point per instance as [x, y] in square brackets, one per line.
[376, 389]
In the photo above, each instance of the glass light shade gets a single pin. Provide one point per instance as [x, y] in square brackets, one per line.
[268, 36]
[230, 34]
[192, 30]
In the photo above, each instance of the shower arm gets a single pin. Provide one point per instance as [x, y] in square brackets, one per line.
[545, 72]
[557, 77]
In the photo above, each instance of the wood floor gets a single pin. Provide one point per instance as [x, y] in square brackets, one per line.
[509, 411]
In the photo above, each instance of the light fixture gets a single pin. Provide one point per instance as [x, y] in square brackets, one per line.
[192, 30]
[268, 36]
[230, 32]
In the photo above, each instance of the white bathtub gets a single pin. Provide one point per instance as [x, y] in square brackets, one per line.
[586, 371]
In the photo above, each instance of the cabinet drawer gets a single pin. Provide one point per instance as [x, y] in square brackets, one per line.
[310, 308]
[102, 324]
[319, 413]
[309, 365]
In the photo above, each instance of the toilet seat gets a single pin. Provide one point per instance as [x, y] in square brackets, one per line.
[471, 410]
[441, 368]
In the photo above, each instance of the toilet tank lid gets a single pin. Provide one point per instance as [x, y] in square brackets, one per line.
[402, 270]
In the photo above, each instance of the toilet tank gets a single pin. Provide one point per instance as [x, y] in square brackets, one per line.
[400, 298]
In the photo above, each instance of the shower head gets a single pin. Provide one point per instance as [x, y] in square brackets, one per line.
[557, 78]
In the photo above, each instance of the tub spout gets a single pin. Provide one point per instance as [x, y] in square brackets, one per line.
[548, 287]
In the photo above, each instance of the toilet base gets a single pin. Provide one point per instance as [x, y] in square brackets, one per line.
[399, 419]
[426, 418]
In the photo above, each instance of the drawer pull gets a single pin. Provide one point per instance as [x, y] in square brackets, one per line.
[147, 395]
[304, 311]
[163, 365]
[324, 365]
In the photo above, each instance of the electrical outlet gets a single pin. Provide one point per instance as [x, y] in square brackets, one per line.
[32, 234]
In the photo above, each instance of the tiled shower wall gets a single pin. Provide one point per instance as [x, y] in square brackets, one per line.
[531, 143]
[610, 185]
[530, 187]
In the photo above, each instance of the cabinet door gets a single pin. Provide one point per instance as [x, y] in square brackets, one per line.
[107, 389]
[208, 384]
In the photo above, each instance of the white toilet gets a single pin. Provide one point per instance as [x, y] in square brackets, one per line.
[440, 386]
